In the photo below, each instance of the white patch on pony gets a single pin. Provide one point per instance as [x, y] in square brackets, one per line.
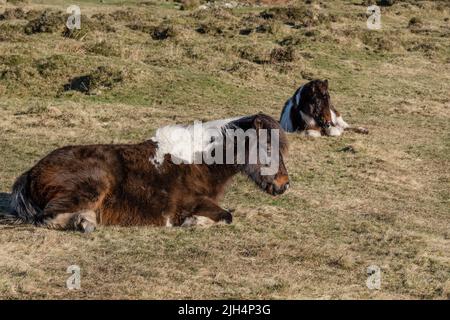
[188, 222]
[333, 117]
[204, 221]
[333, 131]
[341, 123]
[185, 142]
[298, 95]
[308, 119]
[197, 221]
[313, 133]
[168, 223]
[286, 121]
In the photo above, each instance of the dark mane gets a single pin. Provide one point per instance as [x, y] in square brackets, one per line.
[267, 122]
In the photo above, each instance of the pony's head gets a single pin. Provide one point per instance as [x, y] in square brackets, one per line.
[261, 145]
[315, 102]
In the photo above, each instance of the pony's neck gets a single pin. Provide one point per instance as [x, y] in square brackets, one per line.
[297, 120]
[224, 171]
[218, 177]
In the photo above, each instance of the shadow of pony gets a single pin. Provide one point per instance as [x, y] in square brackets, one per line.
[5, 211]
[5, 199]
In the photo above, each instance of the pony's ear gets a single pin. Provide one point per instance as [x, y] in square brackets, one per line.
[325, 82]
[257, 123]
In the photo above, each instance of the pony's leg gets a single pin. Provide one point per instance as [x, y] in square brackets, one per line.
[334, 131]
[84, 221]
[313, 132]
[361, 130]
[208, 212]
[67, 213]
[339, 121]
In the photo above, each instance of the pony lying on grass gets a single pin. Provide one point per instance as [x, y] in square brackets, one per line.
[156, 182]
[311, 112]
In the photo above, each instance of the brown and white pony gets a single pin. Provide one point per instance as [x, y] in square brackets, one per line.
[79, 187]
[311, 112]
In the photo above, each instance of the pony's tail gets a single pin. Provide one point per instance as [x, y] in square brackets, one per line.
[23, 210]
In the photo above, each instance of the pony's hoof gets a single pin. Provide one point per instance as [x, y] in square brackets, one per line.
[226, 217]
[87, 227]
[362, 130]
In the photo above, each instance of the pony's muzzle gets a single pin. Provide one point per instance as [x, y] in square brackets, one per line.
[325, 124]
[279, 186]
[280, 189]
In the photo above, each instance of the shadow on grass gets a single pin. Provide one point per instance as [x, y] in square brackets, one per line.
[4, 203]
[5, 209]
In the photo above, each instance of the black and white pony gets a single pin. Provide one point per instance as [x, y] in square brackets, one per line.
[311, 112]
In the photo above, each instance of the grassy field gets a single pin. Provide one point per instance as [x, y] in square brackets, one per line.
[148, 63]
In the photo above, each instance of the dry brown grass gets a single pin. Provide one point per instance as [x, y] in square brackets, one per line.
[387, 203]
